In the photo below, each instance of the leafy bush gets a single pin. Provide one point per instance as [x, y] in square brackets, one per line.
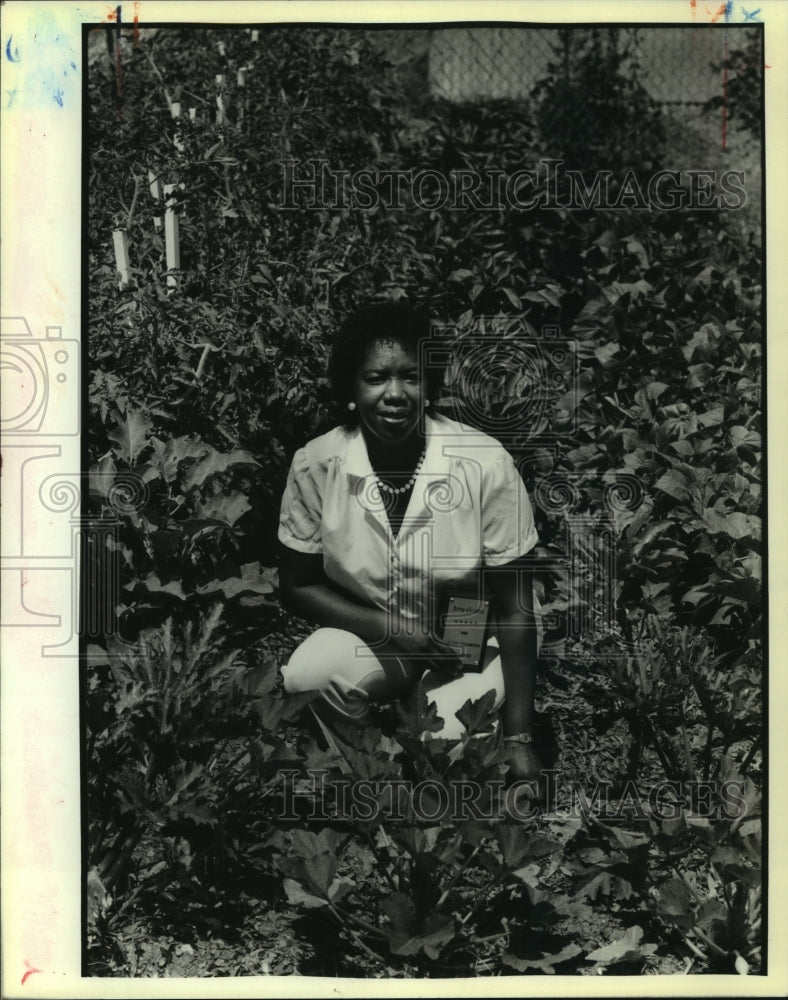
[592, 110]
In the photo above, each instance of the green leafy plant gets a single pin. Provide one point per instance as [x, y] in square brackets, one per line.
[424, 876]
[185, 739]
[592, 79]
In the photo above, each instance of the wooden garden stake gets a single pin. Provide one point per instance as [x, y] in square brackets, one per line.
[171, 237]
[157, 193]
[241, 78]
[120, 240]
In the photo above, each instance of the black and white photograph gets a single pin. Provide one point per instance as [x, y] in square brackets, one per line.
[417, 517]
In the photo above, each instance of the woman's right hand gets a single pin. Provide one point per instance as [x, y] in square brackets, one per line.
[425, 648]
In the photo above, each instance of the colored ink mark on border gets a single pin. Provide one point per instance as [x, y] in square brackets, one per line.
[725, 97]
[751, 15]
[116, 16]
[30, 970]
[14, 56]
[724, 10]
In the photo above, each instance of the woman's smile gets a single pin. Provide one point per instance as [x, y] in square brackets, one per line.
[394, 418]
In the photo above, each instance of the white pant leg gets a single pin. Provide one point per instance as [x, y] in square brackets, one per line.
[450, 696]
[348, 674]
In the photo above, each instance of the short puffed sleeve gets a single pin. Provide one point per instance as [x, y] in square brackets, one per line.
[508, 529]
[301, 510]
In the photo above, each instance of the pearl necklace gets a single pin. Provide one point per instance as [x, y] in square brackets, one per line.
[410, 482]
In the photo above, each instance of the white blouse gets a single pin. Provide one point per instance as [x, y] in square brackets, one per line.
[468, 509]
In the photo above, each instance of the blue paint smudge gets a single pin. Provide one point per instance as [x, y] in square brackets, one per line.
[49, 78]
[12, 57]
[729, 10]
[750, 15]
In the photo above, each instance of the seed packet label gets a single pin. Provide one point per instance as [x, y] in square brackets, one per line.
[465, 627]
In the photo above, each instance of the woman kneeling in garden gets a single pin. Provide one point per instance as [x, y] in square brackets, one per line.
[385, 516]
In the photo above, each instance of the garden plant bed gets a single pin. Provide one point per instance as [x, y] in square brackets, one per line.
[205, 854]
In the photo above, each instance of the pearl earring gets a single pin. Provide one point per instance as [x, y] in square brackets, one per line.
[351, 406]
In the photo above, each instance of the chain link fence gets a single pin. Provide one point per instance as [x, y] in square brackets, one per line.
[647, 97]
[682, 70]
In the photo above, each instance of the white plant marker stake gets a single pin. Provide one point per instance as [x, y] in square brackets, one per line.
[175, 111]
[193, 114]
[156, 192]
[255, 34]
[172, 239]
[241, 81]
[219, 99]
[120, 240]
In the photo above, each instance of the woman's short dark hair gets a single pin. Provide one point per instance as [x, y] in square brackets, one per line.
[388, 322]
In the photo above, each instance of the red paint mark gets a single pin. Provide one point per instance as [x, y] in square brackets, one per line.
[136, 25]
[118, 66]
[715, 17]
[725, 96]
[113, 15]
[766, 66]
[30, 971]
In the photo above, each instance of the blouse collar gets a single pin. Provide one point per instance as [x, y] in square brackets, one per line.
[435, 465]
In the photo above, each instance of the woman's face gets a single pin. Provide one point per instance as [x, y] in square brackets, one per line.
[389, 392]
